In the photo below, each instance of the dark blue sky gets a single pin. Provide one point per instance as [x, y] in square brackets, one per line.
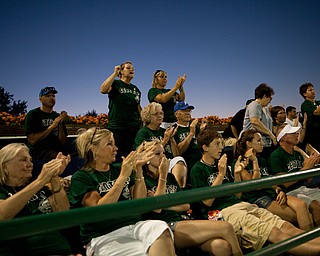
[226, 48]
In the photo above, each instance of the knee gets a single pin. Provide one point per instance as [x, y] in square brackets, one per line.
[220, 247]
[226, 228]
[300, 205]
[314, 206]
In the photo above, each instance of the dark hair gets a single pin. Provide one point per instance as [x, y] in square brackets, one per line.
[206, 136]
[122, 65]
[241, 146]
[274, 111]
[263, 90]
[289, 109]
[303, 89]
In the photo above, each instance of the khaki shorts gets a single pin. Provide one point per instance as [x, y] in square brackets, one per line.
[252, 224]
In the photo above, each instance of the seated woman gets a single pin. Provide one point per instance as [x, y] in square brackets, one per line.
[289, 208]
[152, 117]
[19, 197]
[101, 182]
[215, 237]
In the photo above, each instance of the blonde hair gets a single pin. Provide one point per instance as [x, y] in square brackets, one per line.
[87, 141]
[155, 77]
[148, 110]
[146, 145]
[7, 153]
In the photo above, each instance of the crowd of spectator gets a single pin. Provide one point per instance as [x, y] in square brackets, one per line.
[160, 149]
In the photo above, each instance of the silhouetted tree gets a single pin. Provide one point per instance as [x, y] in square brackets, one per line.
[92, 113]
[9, 105]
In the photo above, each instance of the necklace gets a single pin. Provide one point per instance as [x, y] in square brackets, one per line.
[210, 165]
[108, 177]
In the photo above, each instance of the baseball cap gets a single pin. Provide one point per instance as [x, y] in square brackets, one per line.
[181, 105]
[46, 90]
[287, 129]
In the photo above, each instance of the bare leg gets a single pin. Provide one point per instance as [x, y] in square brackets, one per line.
[300, 207]
[306, 249]
[163, 246]
[217, 247]
[288, 229]
[283, 211]
[204, 232]
[180, 173]
[314, 208]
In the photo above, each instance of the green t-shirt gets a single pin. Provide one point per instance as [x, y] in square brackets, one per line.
[281, 161]
[83, 182]
[193, 153]
[42, 244]
[313, 121]
[167, 107]
[252, 196]
[146, 134]
[171, 187]
[124, 100]
[203, 175]
[37, 121]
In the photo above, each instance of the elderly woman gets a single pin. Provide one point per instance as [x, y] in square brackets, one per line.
[289, 208]
[152, 117]
[101, 182]
[257, 116]
[19, 197]
[166, 97]
[215, 237]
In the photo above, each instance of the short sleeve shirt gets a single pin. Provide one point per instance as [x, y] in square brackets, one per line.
[124, 100]
[252, 196]
[37, 121]
[282, 161]
[146, 134]
[203, 175]
[171, 187]
[168, 107]
[254, 109]
[83, 182]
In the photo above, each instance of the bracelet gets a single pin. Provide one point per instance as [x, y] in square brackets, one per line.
[139, 179]
[56, 190]
[163, 179]
[278, 190]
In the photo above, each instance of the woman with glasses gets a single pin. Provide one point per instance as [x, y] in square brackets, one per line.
[166, 97]
[152, 117]
[257, 116]
[124, 107]
[101, 182]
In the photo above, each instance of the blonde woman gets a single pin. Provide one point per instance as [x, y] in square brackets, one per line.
[102, 182]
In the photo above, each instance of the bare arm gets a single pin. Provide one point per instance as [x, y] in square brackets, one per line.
[222, 167]
[260, 127]
[183, 145]
[106, 85]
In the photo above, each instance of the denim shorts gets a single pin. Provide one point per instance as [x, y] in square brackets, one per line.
[264, 202]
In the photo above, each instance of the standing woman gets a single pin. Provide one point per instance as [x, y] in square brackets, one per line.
[257, 116]
[166, 97]
[20, 198]
[101, 182]
[215, 237]
[124, 107]
[289, 208]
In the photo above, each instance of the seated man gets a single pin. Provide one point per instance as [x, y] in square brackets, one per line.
[253, 225]
[286, 159]
[45, 129]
